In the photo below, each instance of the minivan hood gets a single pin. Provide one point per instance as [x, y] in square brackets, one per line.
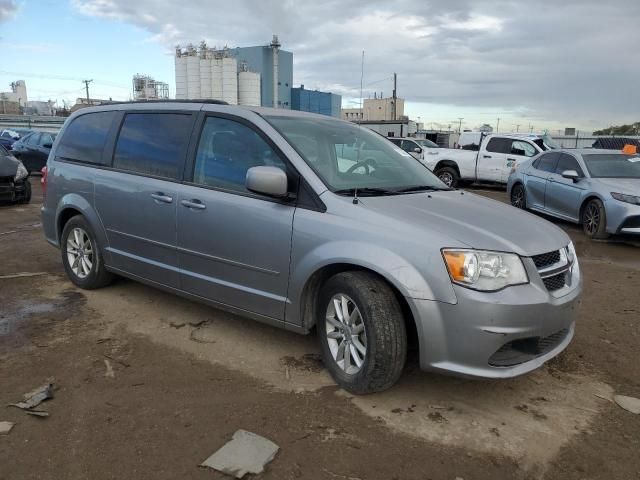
[473, 220]
[621, 185]
[8, 165]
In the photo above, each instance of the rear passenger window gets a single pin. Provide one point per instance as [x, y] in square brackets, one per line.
[227, 149]
[499, 145]
[153, 143]
[84, 138]
[547, 163]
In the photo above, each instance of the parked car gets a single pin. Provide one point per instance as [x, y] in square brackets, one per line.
[33, 149]
[14, 182]
[306, 222]
[599, 189]
[491, 163]
[418, 148]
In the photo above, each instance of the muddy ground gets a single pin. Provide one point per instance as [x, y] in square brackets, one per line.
[185, 377]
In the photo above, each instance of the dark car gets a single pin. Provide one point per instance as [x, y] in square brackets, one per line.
[8, 138]
[14, 181]
[33, 150]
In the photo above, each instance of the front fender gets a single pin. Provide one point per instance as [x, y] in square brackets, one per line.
[396, 269]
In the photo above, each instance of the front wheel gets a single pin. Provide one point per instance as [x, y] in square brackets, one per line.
[361, 332]
[518, 196]
[449, 176]
[594, 220]
[81, 256]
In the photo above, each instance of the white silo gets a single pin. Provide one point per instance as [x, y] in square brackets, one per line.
[193, 75]
[216, 78]
[230, 80]
[181, 74]
[249, 88]
[205, 77]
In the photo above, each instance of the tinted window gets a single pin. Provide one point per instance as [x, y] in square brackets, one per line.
[33, 139]
[547, 163]
[522, 148]
[409, 146]
[395, 141]
[227, 149]
[153, 143]
[47, 139]
[567, 162]
[613, 165]
[499, 145]
[84, 138]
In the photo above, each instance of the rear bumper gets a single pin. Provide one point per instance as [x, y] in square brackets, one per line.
[496, 335]
[11, 191]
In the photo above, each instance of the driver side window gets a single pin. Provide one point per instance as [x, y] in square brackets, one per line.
[522, 148]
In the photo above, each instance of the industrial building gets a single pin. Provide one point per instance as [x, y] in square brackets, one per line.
[376, 109]
[260, 75]
[146, 88]
[315, 101]
[18, 93]
[392, 128]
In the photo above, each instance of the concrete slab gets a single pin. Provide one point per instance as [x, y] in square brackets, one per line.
[5, 427]
[245, 453]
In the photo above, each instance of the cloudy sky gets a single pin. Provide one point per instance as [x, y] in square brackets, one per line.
[541, 63]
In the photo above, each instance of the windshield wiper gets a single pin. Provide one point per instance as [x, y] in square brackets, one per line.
[365, 191]
[422, 188]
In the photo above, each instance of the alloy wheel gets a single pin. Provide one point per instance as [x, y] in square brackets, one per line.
[79, 252]
[446, 178]
[346, 334]
[592, 219]
[517, 197]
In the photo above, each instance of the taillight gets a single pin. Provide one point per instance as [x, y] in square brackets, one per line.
[43, 181]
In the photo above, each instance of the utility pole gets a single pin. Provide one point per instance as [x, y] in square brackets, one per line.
[460, 125]
[86, 87]
[395, 95]
[517, 128]
[498, 125]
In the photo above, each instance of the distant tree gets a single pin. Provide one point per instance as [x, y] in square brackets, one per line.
[632, 129]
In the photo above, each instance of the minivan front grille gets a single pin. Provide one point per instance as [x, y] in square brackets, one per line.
[546, 259]
[556, 282]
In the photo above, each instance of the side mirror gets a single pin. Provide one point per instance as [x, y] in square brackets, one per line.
[417, 150]
[571, 174]
[270, 181]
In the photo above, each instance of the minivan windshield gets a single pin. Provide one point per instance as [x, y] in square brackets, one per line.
[348, 157]
[612, 165]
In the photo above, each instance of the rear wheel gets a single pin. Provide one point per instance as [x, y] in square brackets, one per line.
[594, 220]
[361, 332]
[518, 196]
[449, 176]
[81, 255]
[27, 192]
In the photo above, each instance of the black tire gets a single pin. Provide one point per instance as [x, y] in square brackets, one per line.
[385, 336]
[27, 192]
[594, 220]
[519, 196]
[97, 275]
[449, 176]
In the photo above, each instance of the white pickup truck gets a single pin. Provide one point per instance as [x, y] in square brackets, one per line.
[490, 163]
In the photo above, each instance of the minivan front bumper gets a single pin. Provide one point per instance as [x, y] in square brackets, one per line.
[496, 334]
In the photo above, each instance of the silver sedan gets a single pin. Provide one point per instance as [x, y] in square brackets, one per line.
[599, 189]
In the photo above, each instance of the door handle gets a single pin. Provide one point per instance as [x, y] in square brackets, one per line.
[511, 159]
[486, 156]
[161, 197]
[195, 204]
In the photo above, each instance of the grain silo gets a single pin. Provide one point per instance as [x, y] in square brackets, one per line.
[205, 72]
[248, 87]
[193, 73]
[230, 80]
[181, 74]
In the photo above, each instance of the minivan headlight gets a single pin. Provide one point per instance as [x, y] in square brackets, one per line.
[21, 173]
[484, 270]
[621, 197]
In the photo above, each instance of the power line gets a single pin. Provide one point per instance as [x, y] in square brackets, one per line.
[62, 77]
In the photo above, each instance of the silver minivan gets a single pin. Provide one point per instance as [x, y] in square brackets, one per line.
[307, 222]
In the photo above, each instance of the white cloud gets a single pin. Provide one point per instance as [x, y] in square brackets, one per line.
[8, 9]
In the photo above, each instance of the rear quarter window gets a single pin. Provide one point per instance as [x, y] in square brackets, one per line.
[84, 139]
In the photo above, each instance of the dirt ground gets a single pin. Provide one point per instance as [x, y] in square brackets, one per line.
[185, 377]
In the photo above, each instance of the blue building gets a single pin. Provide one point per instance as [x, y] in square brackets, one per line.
[260, 59]
[315, 101]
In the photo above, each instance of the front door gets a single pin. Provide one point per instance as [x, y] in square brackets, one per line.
[537, 178]
[519, 152]
[492, 158]
[234, 246]
[563, 194]
[137, 200]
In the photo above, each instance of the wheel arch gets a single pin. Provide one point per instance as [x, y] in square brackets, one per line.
[72, 205]
[311, 290]
[447, 163]
[587, 199]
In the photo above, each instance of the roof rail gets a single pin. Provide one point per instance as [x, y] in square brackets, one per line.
[167, 100]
